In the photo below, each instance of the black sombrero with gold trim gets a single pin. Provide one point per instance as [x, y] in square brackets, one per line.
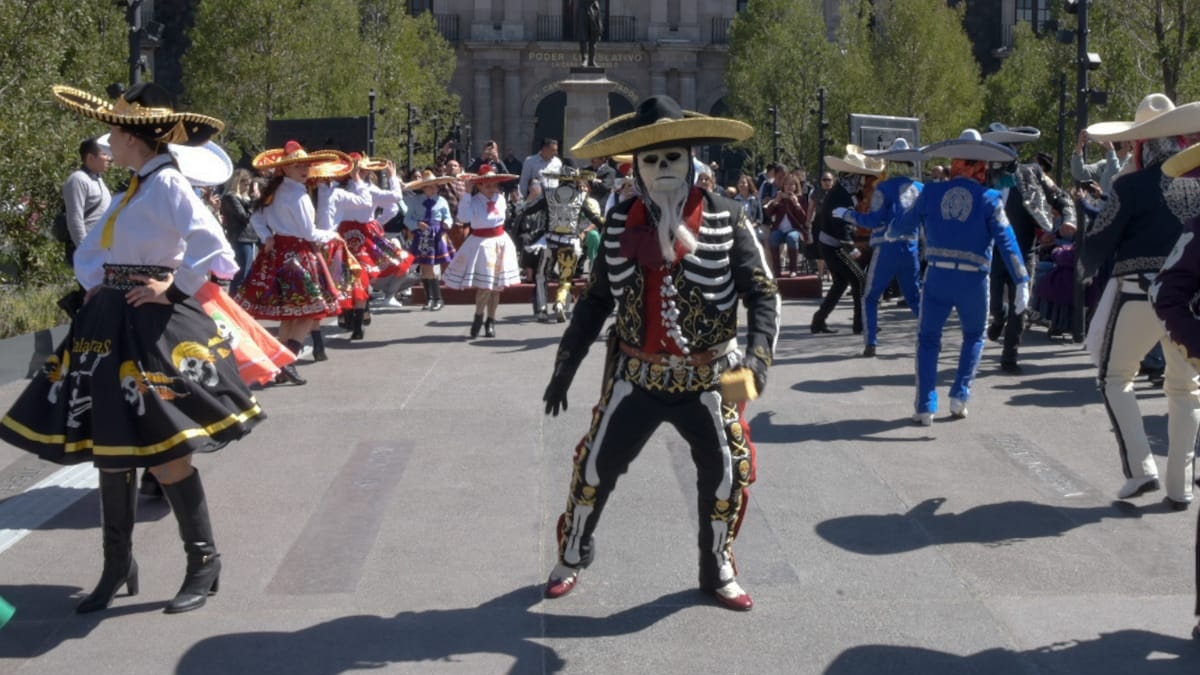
[659, 122]
[293, 153]
[146, 110]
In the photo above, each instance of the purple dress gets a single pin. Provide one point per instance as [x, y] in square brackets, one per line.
[431, 246]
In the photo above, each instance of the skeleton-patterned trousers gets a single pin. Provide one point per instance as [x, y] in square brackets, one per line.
[623, 421]
[567, 259]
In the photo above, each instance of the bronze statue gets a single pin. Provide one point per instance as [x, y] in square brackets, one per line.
[588, 27]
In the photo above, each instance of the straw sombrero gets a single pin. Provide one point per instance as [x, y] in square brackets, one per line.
[970, 146]
[855, 161]
[146, 110]
[658, 122]
[898, 151]
[1150, 108]
[332, 170]
[487, 174]
[292, 153]
[1005, 135]
[368, 164]
[427, 179]
[1183, 163]
[202, 165]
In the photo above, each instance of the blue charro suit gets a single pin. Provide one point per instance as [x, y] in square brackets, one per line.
[961, 219]
[894, 233]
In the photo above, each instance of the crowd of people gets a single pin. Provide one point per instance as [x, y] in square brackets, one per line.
[315, 235]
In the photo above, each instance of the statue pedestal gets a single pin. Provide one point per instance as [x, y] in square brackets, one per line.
[587, 92]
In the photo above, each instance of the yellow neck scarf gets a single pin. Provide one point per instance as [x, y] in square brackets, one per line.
[110, 225]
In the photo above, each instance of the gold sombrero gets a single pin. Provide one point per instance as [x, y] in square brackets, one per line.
[293, 153]
[659, 122]
[1183, 162]
[368, 164]
[427, 179]
[144, 110]
[332, 170]
[487, 175]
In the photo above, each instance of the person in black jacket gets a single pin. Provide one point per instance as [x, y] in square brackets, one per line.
[836, 236]
[236, 203]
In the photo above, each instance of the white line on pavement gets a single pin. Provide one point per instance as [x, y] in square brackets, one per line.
[40, 502]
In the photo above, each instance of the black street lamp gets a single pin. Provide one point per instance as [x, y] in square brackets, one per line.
[371, 123]
[774, 112]
[822, 127]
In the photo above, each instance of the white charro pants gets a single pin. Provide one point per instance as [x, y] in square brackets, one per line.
[1131, 331]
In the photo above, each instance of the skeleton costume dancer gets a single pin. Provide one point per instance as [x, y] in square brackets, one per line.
[673, 265]
[143, 378]
[1174, 293]
[894, 238]
[570, 216]
[962, 219]
[1139, 225]
[836, 235]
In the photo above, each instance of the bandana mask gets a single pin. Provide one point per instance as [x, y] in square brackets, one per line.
[851, 182]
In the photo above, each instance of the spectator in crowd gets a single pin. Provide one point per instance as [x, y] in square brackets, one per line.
[85, 194]
[769, 187]
[240, 193]
[544, 160]
[601, 186]
[787, 223]
[747, 194]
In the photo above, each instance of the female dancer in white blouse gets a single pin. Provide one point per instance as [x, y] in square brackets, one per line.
[289, 280]
[487, 260]
[143, 378]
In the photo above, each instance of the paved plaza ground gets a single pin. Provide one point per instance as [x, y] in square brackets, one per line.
[396, 515]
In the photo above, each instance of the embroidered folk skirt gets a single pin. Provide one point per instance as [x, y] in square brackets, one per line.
[291, 281]
[258, 354]
[375, 252]
[133, 387]
[486, 263]
[431, 246]
[352, 282]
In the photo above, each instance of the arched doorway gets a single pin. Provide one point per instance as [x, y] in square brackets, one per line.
[618, 104]
[548, 120]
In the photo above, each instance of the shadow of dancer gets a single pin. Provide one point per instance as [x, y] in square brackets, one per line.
[503, 625]
[990, 524]
[1125, 651]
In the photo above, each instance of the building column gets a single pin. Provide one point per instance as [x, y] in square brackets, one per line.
[512, 114]
[687, 90]
[658, 84]
[481, 122]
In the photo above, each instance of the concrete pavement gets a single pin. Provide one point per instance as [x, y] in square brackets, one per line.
[397, 514]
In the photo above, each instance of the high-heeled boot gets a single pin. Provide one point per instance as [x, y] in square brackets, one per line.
[489, 327]
[203, 561]
[118, 503]
[356, 324]
[476, 324]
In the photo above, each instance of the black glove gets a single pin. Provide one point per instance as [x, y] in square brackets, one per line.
[759, 368]
[556, 392]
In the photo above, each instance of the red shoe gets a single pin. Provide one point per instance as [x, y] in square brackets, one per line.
[562, 581]
[732, 596]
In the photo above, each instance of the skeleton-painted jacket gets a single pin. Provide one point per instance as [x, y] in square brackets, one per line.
[1176, 293]
[728, 264]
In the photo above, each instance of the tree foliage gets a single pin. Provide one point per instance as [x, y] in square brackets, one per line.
[1026, 89]
[256, 60]
[43, 43]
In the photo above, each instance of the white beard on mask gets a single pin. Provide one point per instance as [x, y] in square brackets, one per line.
[665, 177]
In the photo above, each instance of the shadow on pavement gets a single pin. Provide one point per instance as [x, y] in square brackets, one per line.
[503, 625]
[82, 513]
[1126, 651]
[764, 430]
[991, 524]
[46, 617]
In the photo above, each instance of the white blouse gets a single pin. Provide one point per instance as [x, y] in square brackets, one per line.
[378, 197]
[473, 210]
[333, 204]
[164, 224]
[290, 214]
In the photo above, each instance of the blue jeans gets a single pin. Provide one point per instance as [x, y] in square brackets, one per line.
[243, 254]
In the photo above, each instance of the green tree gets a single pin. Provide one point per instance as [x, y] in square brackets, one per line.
[1025, 91]
[43, 43]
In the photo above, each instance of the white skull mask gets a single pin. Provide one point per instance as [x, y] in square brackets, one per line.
[133, 394]
[199, 370]
[225, 331]
[664, 169]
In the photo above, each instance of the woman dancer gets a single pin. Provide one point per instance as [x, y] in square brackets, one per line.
[364, 236]
[141, 379]
[487, 261]
[429, 220]
[289, 281]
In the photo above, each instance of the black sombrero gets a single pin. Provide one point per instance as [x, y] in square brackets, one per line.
[145, 110]
[658, 122]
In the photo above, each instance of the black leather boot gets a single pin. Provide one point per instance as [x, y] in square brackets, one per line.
[203, 561]
[436, 287]
[489, 327]
[476, 324]
[356, 324]
[118, 501]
